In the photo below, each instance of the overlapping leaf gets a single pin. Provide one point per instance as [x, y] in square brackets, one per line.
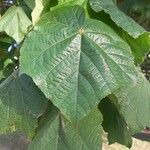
[76, 61]
[21, 103]
[57, 133]
[82, 3]
[140, 46]
[15, 23]
[41, 7]
[139, 39]
[30, 4]
[122, 20]
[135, 104]
[71, 2]
[114, 124]
[4, 61]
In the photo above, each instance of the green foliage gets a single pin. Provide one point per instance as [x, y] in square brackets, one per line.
[123, 21]
[80, 56]
[15, 23]
[114, 122]
[30, 4]
[134, 104]
[57, 132]
[78, 48]
[6, 63]
[21, 102]
[131, 31]
[71, 2]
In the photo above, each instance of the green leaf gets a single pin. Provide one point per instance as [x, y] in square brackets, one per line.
[1, 75]
[140, 46]
[114, 124]
[135, 104]
[5, 38]
[30, 3]
[122, 20]
[6, 69]
[57, 133]
[71, 2]
[21, 103]
[76, 61]
[3, 52]
[5, 42]
[82, 3]
[15, 23]
[41, 7]
[3, 56]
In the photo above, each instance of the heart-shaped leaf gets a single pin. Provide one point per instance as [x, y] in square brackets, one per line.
[76, 61]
